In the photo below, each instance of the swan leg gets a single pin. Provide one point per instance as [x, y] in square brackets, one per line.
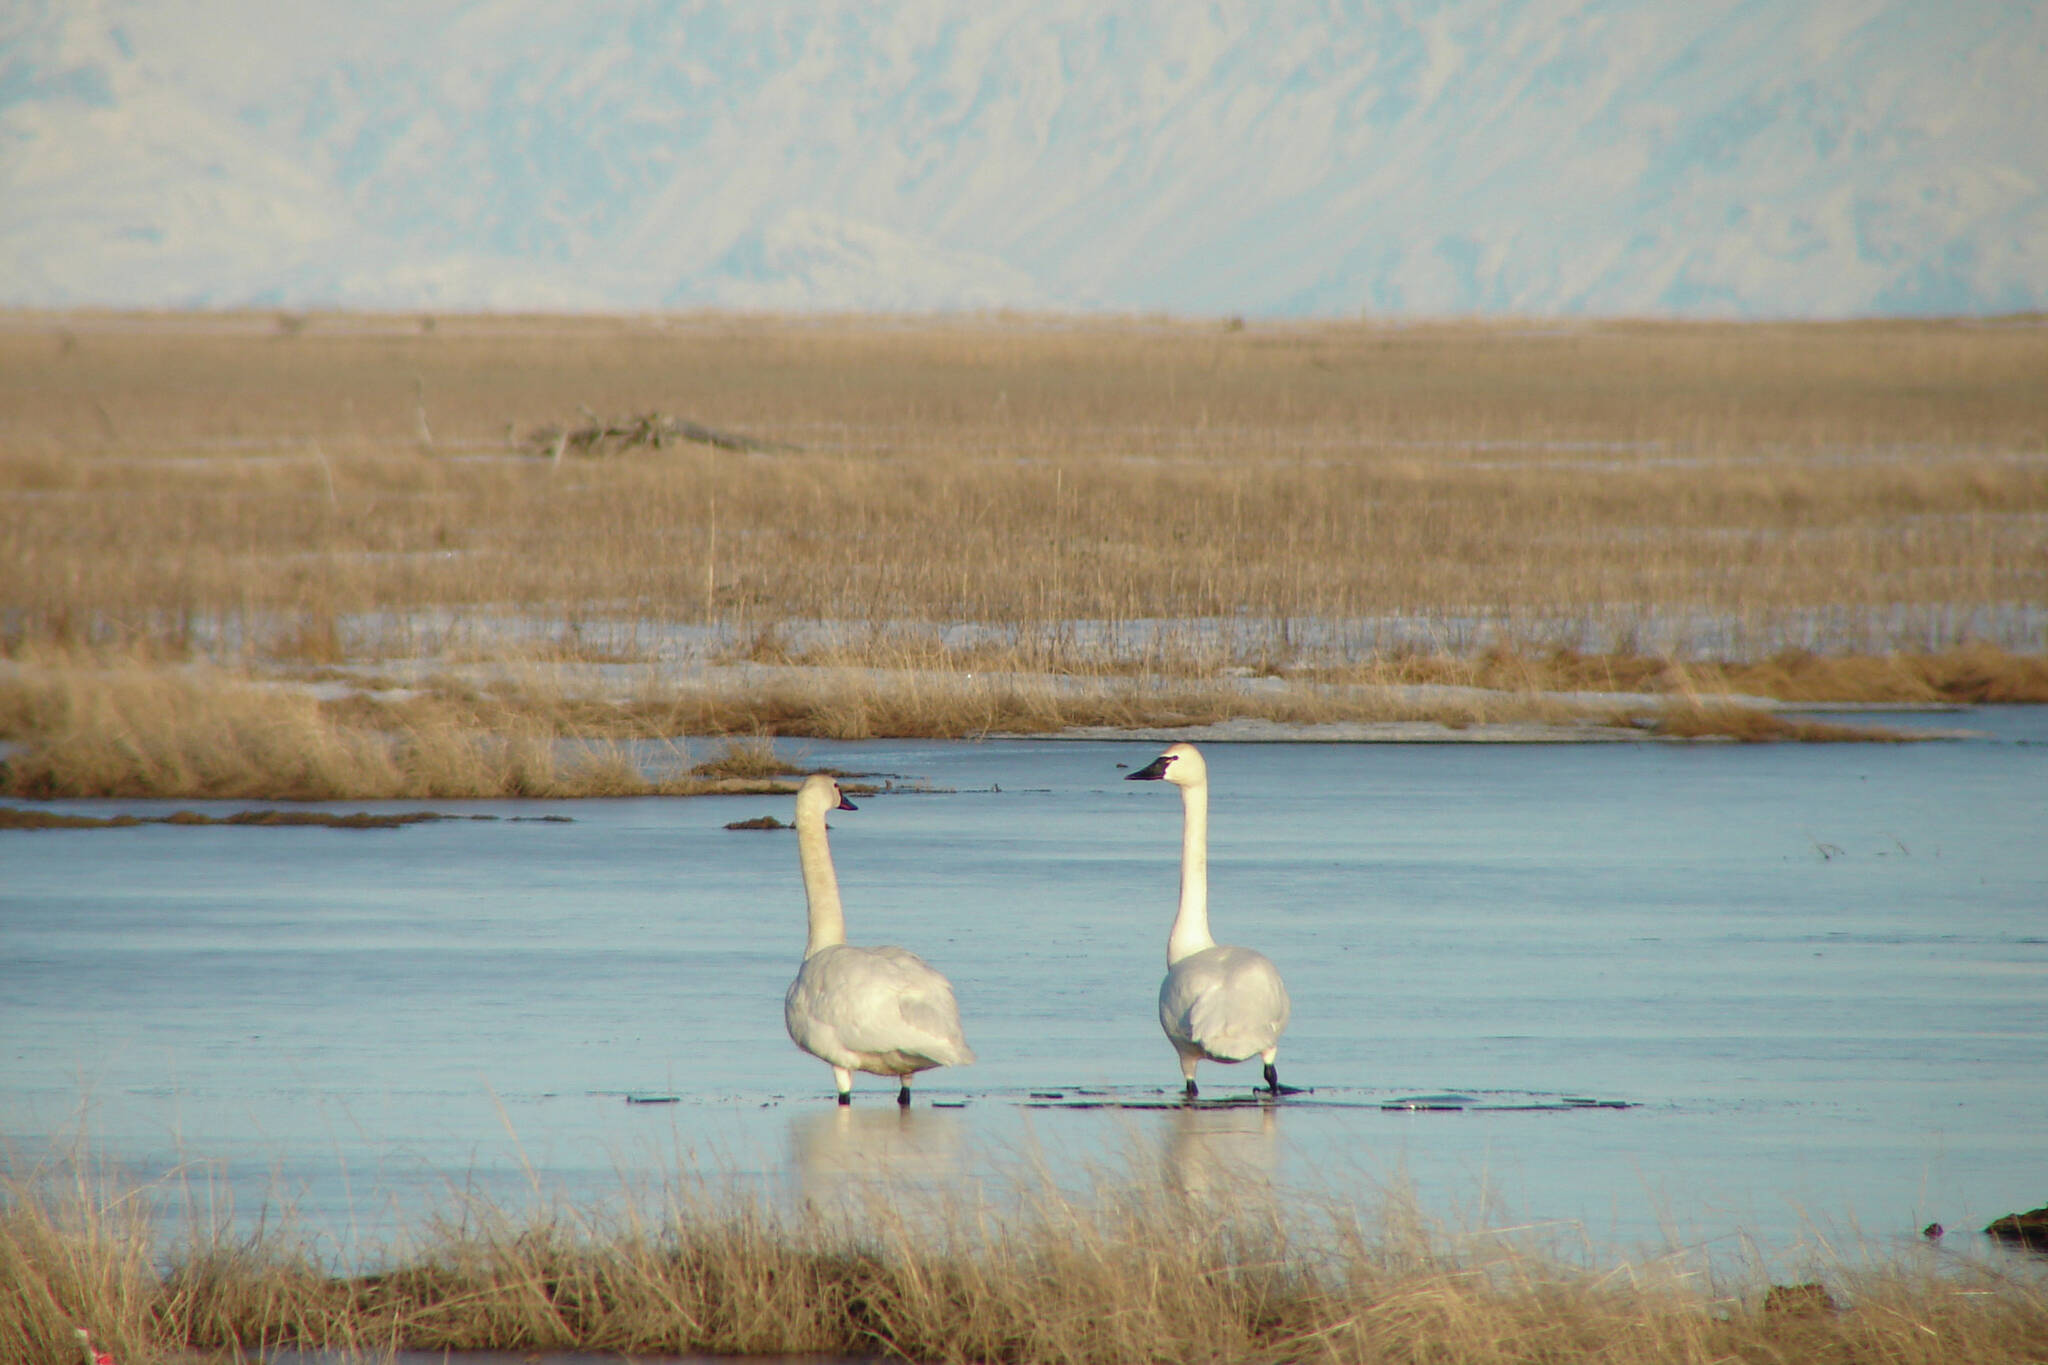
[1273, 1085]
[1192, 1093]
[845, 1080]
[903, 1093]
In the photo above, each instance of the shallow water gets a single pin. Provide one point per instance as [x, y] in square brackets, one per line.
[1817, 977]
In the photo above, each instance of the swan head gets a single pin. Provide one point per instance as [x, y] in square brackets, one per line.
[1181, 765]
[818, 794]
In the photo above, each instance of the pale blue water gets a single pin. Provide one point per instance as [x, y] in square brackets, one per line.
[1818, 975]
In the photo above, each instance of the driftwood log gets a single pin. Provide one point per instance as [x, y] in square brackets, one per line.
[647, 430]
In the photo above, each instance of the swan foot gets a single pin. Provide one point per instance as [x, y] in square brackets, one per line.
[1192, 1093]
[1273, 1085]
[846, 1097]
[903, 1095]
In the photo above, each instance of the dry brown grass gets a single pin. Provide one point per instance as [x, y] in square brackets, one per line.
[135, 731]
[216, 482]
[1971, 674]
[1751, 726]
[749, 757]
[1159, 510]
[73, 1253]
[117, 726]
[1968, 674]
[1137, 1272]
[120, 724]
[108, 724]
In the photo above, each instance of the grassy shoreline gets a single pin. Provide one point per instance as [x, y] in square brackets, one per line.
[126, 726]
[1135, 1271]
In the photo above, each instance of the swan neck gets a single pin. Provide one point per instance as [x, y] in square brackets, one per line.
[1191, 926]
[821, 886]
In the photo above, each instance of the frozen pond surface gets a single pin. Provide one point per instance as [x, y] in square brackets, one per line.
[1817, 976]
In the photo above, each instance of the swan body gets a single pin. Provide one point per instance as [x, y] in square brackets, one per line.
[879, 1010]
[1218, 1003]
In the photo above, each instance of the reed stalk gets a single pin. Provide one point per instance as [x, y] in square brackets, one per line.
[1134, 1270]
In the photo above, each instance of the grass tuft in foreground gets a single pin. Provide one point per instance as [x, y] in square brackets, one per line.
[1138, 1271]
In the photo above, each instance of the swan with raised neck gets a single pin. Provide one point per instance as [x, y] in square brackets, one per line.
[880, 1010]
[1218, 1003]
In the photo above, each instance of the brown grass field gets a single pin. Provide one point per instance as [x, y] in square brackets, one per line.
[1136, 1271]
[1844, 512]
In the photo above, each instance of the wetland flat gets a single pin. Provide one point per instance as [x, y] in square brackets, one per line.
[1655, 996]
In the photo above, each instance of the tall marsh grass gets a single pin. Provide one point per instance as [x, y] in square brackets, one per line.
[954, 527]
[118, 726]
[111, 724]
[215, 484]
[139, 731]
[1134, 1271]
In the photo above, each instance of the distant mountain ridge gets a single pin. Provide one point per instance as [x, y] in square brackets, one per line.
[1543, 157]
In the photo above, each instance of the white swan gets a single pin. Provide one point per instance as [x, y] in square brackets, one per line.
[878, 1010]
[1217, 1004]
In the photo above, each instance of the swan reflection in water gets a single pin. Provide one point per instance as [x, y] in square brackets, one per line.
[1220, 1152]
[844, 1153]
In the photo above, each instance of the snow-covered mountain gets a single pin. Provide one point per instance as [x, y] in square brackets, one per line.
[1725, 158]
